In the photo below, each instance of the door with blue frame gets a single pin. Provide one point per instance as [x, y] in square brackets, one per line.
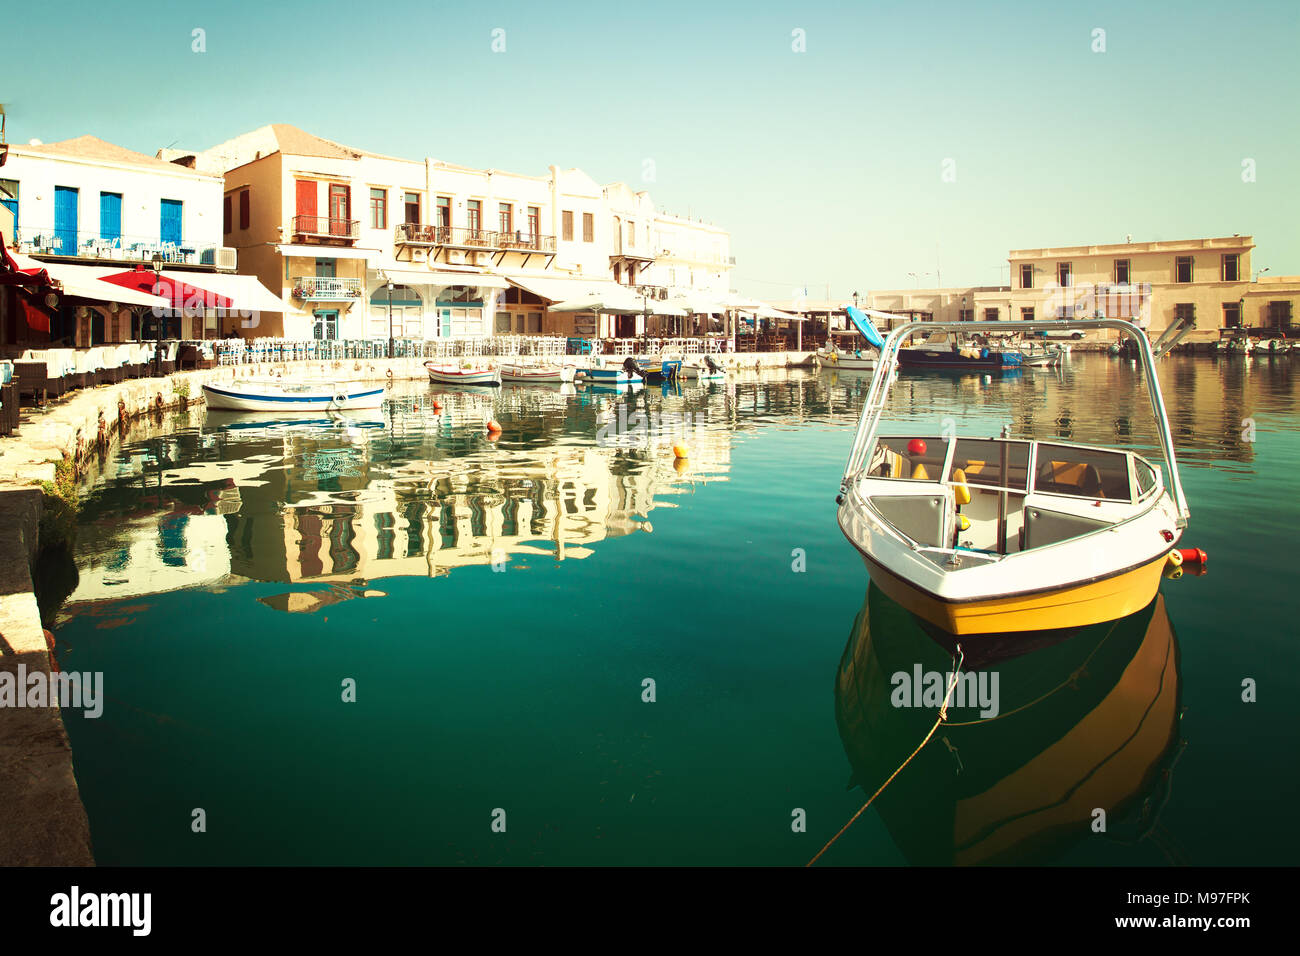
[65, 220]
[110, 217]
[169, 228]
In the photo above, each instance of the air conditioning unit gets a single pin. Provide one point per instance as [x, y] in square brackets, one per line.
[419, 255]
[227, 258]
[456, 257]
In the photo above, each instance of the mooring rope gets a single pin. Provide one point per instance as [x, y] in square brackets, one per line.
[943, 714]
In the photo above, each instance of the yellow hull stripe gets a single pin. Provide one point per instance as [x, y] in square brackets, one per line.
[1073, 606]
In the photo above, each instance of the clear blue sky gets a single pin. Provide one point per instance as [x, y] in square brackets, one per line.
[825, 165]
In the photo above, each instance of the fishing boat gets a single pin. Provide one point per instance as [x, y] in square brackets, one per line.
[1044, 356]
[537, 374]
[456, 375]
[704, 370]
[657, 368]
[977, 534]
[943, 348]
[832, 357]
[624, 374]
[278, 395]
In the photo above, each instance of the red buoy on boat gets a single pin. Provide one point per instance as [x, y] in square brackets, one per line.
[1193, 556]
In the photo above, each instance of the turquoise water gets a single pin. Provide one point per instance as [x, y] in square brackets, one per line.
[500, 606]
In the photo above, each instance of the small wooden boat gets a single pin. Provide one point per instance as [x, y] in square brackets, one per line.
[609, 375]
[537, 374]
[978, 534]
[456, 375]
[277, 395]
[706, 370]
[1041, 357]
[839, 360]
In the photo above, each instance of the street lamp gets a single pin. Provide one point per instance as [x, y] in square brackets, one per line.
[855, 300]
[157, 264]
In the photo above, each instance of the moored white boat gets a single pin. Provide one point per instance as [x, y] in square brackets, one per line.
[703, 369]
[979, 535]
[277, 395]
[834, 358]
[608, 375]
[537, 374]
[458, 375]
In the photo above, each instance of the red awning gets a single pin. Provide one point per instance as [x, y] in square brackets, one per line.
[184, 297]
[10, 274]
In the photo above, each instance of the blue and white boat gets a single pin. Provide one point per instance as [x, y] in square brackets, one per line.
[277, 395]
[609, 375]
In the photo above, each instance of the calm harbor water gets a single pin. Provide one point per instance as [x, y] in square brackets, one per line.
[500, 606]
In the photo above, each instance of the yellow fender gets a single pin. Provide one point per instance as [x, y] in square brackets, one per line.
[960, 490]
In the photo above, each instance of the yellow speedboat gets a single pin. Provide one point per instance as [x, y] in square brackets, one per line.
[983, 534]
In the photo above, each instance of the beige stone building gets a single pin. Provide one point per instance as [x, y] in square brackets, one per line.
[1151, 283]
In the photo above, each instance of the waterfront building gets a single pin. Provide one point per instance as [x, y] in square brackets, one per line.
[85, 210]
[1209, 280]
[350, 238]
[1150, 283]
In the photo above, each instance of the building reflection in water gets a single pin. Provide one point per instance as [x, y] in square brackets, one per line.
[1087, 718]
[409, 491]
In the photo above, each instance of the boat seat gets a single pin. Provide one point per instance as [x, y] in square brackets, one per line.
[1070, 478]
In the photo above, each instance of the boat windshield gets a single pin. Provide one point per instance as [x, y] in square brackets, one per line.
[991, 463]
[1083, 472]
[909, 458]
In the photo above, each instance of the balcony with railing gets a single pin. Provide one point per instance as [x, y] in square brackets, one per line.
[325, 229]
[93, 246]
[326, 289]
[460, 237]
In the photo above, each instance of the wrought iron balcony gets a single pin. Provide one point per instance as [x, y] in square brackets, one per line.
[323, 227]
[459, 237]
[325, 289]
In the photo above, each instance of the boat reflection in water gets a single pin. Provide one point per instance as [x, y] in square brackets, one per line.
[1086, 718]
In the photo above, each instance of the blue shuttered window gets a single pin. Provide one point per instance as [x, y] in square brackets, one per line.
[169, 229]
[65, 219]
[110, 216]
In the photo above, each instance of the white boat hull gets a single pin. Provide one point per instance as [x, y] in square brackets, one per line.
[537, 374]
[842, 362]
[263, 398]
[453, 375]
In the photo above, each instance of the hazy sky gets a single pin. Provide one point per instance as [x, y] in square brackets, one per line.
[826, 165]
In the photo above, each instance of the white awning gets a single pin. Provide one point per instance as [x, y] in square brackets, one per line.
[246, 293]
[480, 280]
[326, 252]
[579, 294]
[559, 288]
[767, 312]
[83, 282]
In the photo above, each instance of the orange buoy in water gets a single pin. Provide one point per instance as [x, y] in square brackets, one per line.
[680, 451]
[1193, 556]
[493, 427]
[437, 405]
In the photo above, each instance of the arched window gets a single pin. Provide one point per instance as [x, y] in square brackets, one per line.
[403, 295]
